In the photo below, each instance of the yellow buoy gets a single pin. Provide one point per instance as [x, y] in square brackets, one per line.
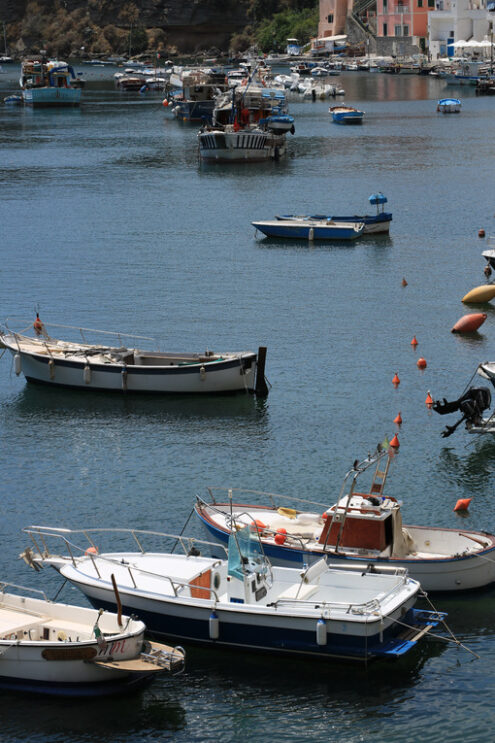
[480, 294]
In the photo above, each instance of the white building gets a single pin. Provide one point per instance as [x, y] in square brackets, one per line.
[459, 20]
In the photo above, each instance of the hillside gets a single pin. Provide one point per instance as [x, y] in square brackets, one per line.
[103, 27]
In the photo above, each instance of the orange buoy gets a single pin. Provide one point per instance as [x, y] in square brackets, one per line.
[462, 504]
[398, 419]
[421, 363]
[429, 400]
[91, 551]
[404, 282]
[469, 323]
[280, 536]
[38, 325]
[395, 442]
[481, 233]
[414, 342]
[396, 379]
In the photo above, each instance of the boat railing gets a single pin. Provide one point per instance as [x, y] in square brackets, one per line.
[115, 333]
[271, 496]
[5, 584]
[368, 607]
[40, 534]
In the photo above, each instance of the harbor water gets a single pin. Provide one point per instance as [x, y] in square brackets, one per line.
[108, 220]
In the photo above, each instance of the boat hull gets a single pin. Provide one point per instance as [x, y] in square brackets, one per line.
[51, 96]
[310, 230]
[232, 375]
[438, 574]
[270, 632]
[242, 146]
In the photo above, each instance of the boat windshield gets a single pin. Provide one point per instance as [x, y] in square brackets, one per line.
[245, 553]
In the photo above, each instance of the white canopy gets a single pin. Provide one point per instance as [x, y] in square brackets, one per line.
[460, 43]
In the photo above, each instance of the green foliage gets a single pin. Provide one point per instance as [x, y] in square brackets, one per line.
[272, 34]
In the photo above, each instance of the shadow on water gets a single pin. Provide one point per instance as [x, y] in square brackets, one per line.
[38, 402]
[472, 471]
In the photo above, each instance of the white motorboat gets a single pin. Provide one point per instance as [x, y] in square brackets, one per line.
[359, 529]
[128, 369]
[54, 648]
[242, 602]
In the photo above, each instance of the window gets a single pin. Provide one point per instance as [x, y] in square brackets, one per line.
[431, 3]
[384, 29]
[330, 18]
[420, 3]
[398, 31]
[384, 4]
[405, 31]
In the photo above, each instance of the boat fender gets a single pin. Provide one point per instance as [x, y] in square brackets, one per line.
[321, 632]
[311, 233]
[214, 626]
[462, 504]
[87, 374]
[124, 379]
[202, 373]
[17, 363]
[289, 513]
[91, 551]
[258, 526]
[51, 367]
[280, 536]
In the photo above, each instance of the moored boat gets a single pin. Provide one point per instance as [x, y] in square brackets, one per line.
[243, 602]
[129, 369]
[309, 228]
[449, 105]
[346, 114]
[359, 529]
[373, 223]
[48, 83]
[59, 649]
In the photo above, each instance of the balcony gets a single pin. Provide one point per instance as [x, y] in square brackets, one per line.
[401, 9]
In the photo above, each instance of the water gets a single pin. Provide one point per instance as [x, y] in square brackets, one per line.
[109, 221]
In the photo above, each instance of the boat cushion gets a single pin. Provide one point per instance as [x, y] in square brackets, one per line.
[300, 591]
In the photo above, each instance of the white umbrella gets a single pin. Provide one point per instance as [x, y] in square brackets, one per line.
[459, 43]
[472, 44]
[485, 44]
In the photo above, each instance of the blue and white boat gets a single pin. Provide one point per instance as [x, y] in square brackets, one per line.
[346, 114]
[449, 105]
[48, 83]
[194, 92]
[242, 602]
[373, 223]
[361, 528]
[308, 228]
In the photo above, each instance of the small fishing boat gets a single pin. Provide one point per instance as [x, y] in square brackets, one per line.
[346, 114]
[373, 223]
[449, 105]
[243, 602]
[48, 83]
[59, 649]
[361, 528]
[308, 228]
[120, 368]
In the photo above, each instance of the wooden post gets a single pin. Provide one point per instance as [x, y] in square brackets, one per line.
[261, 387]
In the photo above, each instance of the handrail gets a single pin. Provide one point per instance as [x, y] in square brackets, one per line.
[59, 532]
[4, 584]
[95, 330]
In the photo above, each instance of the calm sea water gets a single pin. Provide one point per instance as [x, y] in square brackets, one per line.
[109, 221]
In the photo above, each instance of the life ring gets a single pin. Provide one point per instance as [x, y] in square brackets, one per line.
[289, 513]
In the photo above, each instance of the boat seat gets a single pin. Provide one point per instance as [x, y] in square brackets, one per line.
[300, 591]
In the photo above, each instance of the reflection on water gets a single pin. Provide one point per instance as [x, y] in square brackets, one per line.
[37, 401]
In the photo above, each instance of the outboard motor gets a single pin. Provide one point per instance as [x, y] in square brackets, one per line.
[471, 405]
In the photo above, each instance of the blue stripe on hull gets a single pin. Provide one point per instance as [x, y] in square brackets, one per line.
[249, 637]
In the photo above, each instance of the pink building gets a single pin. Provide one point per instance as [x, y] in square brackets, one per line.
[399, 18]
[332, 17]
